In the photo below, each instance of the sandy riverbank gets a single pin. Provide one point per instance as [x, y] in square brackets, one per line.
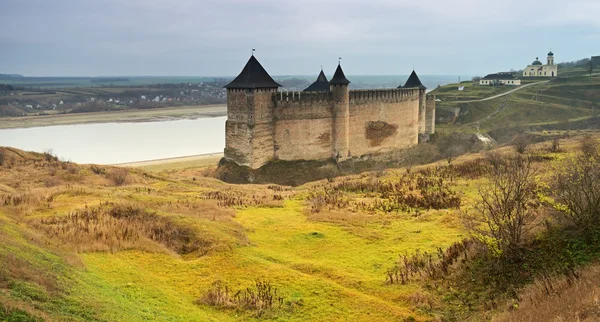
[176, 163]
[149, 115]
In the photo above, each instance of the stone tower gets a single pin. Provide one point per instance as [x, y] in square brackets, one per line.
[249, 125]
[413, 81]
[341, 114]
[550, 58]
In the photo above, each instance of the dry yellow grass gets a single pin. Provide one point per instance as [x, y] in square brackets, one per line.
[559, 299]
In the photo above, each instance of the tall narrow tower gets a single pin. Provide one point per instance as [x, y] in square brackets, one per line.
[249, 126]
[341, 113]
[413, 81]
[550, 58]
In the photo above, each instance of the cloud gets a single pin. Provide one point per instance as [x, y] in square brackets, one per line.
[214, 37]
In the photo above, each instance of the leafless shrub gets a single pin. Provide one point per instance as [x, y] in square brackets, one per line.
[555, 148]
[70, 167]
[507, 206]
[589, 146]
[52, 182]
[231, 199]
[428, 265]
[424, 189]
[263, 296]
[451, 146]
[49, 156]
[453, 152]
[118, 176]
[520, 142]
[577, 188]
[122, 226]
[572, 297]
[99, 170]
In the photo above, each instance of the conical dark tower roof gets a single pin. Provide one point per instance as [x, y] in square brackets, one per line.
[253, 76]
[320, 85]
[413, 81]
[339, 77]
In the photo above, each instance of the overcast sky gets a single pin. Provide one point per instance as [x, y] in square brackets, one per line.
[215, 37]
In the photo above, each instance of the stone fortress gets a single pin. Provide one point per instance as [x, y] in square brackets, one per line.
[326, 120]
[537, 69]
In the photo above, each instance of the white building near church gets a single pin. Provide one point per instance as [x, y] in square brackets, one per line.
[537, 69]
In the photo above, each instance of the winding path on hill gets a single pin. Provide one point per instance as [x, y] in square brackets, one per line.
[502, 94]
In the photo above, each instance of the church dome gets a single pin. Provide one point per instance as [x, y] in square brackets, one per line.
[536, 61]
[551, 53]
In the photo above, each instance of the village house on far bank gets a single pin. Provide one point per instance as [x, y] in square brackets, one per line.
[504, 78]
[327, 120]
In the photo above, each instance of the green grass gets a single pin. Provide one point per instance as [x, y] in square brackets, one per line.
[450, 92]
[324, 268]
[560, 100]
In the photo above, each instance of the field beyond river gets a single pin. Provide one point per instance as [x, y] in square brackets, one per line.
[147, 115]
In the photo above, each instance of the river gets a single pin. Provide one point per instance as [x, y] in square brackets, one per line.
[111, 143]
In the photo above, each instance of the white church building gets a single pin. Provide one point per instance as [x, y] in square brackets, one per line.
[537, 69]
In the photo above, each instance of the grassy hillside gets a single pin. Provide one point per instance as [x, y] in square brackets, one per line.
[559, 100]
[153, 247]
[86, 242]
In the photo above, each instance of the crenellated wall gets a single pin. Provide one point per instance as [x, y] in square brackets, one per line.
[303, 125]
[266, 125]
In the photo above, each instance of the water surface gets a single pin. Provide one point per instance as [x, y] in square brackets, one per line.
[109, 143]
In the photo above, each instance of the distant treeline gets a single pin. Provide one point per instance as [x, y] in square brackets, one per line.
[10, 76]
[6, 88]
[109, 79]
[577, 63]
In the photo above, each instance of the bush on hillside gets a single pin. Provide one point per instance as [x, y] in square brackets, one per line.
[506, 207]
[118, 176]
[577, 187]
[520, 142]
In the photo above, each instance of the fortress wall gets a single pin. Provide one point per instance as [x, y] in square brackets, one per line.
[303, 139]
[249, 127]
[430, 114]
[237, 132]
[303, 126]
[302, 105]
[382, 120]
[261, 124]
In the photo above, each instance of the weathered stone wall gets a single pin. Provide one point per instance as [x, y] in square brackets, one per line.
[237, 132]
[430, 114]
[249, 126]
[262, 127]
[341, 120]
[422, 112]
[382, 120]
[303, 126]
[264, 124]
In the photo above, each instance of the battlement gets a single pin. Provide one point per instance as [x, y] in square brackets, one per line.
[328, 121]
[302, 96]
[361, 95]
[388, 95]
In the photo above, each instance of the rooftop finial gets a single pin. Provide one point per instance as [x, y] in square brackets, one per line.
[339, 60]
[253, 51]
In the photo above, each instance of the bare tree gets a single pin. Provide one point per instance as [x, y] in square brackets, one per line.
[451, 146]
[577, 187]
[520, 142]
[118, 176]
[507, 207]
